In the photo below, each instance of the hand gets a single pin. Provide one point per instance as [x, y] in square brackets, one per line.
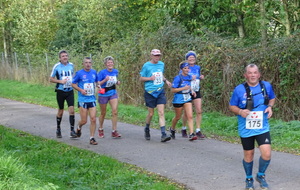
[169, 84]
[152, 77]
[118, 82]
[186, 87]
[269, 111]
[63, 81]
[83, 91]
[194, 94]
[194, 77]
[244, 113]
[201, 77]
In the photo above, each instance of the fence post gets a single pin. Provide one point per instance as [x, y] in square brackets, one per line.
[16, 60]
[47, 62]
[2, 59]
[28, 63]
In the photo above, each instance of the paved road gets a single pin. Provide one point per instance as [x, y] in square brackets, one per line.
[201, 165]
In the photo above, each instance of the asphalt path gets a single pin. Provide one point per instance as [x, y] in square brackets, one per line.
[201, 165]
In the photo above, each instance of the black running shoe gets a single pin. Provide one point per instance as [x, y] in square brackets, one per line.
[78, 132]
[173, 132]
[73, 134]
[58, 133]
[147, 133]
[165, 138]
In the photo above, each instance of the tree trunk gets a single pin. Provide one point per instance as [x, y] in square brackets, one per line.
[263, 30]
[240, 20]
[286, 22]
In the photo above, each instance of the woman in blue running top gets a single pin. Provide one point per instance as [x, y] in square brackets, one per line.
[181, 87]
[107, 81]
[195, 72]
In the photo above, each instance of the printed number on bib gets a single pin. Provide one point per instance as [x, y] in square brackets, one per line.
[254, 120]
[158, 78]
[68, 84]
[186, 95]
[111, 81]
[89, 88]
[195, 85]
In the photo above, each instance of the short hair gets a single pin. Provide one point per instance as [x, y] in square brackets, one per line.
[87, 58]
[251, 66]
[62, 51]
[108, 58]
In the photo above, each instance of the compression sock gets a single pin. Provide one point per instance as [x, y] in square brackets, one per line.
[58, 121]
[248, 166]
[263, 165]
[163, 130]
[147, 125]
[72, 121]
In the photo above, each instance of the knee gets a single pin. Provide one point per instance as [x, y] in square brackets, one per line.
[93, 119]
[266, 156]
[83, 121]
[114, 112]
[199, 112]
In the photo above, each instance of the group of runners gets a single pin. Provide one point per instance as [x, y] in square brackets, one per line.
[251, 101]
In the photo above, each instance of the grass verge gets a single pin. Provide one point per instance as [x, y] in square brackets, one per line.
[31, 162]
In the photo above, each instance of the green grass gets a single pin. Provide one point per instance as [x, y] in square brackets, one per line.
[285, 135]
[31, 162]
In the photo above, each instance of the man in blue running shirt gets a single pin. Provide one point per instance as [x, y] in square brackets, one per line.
[154, 80]
[62, 74]
[252, 102]
[84, 82]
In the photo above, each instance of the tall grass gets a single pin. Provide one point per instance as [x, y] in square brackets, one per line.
[285, 135]
[30, 162]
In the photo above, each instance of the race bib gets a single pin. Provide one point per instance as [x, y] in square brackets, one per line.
[254, 120]
[111, 81]
[186, 95]
[89, 88]
[195, 84]
[158, 78]
[68, 84]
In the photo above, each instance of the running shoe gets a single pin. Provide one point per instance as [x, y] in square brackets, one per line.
[101, 133]
[58, 133]
[172, 133]
[115, 134]
[262, 180]
[192, 137]
[200, 135]
[147, 133]
[249, 184]
[93, 141]
[165, 138]
[78, 132]
[73, 134]
[183, 133]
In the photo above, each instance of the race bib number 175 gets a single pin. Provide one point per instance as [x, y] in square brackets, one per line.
[254, 120]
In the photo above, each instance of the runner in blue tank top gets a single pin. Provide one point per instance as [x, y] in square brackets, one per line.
[84, 82]
[62, 74]
[252, 102]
